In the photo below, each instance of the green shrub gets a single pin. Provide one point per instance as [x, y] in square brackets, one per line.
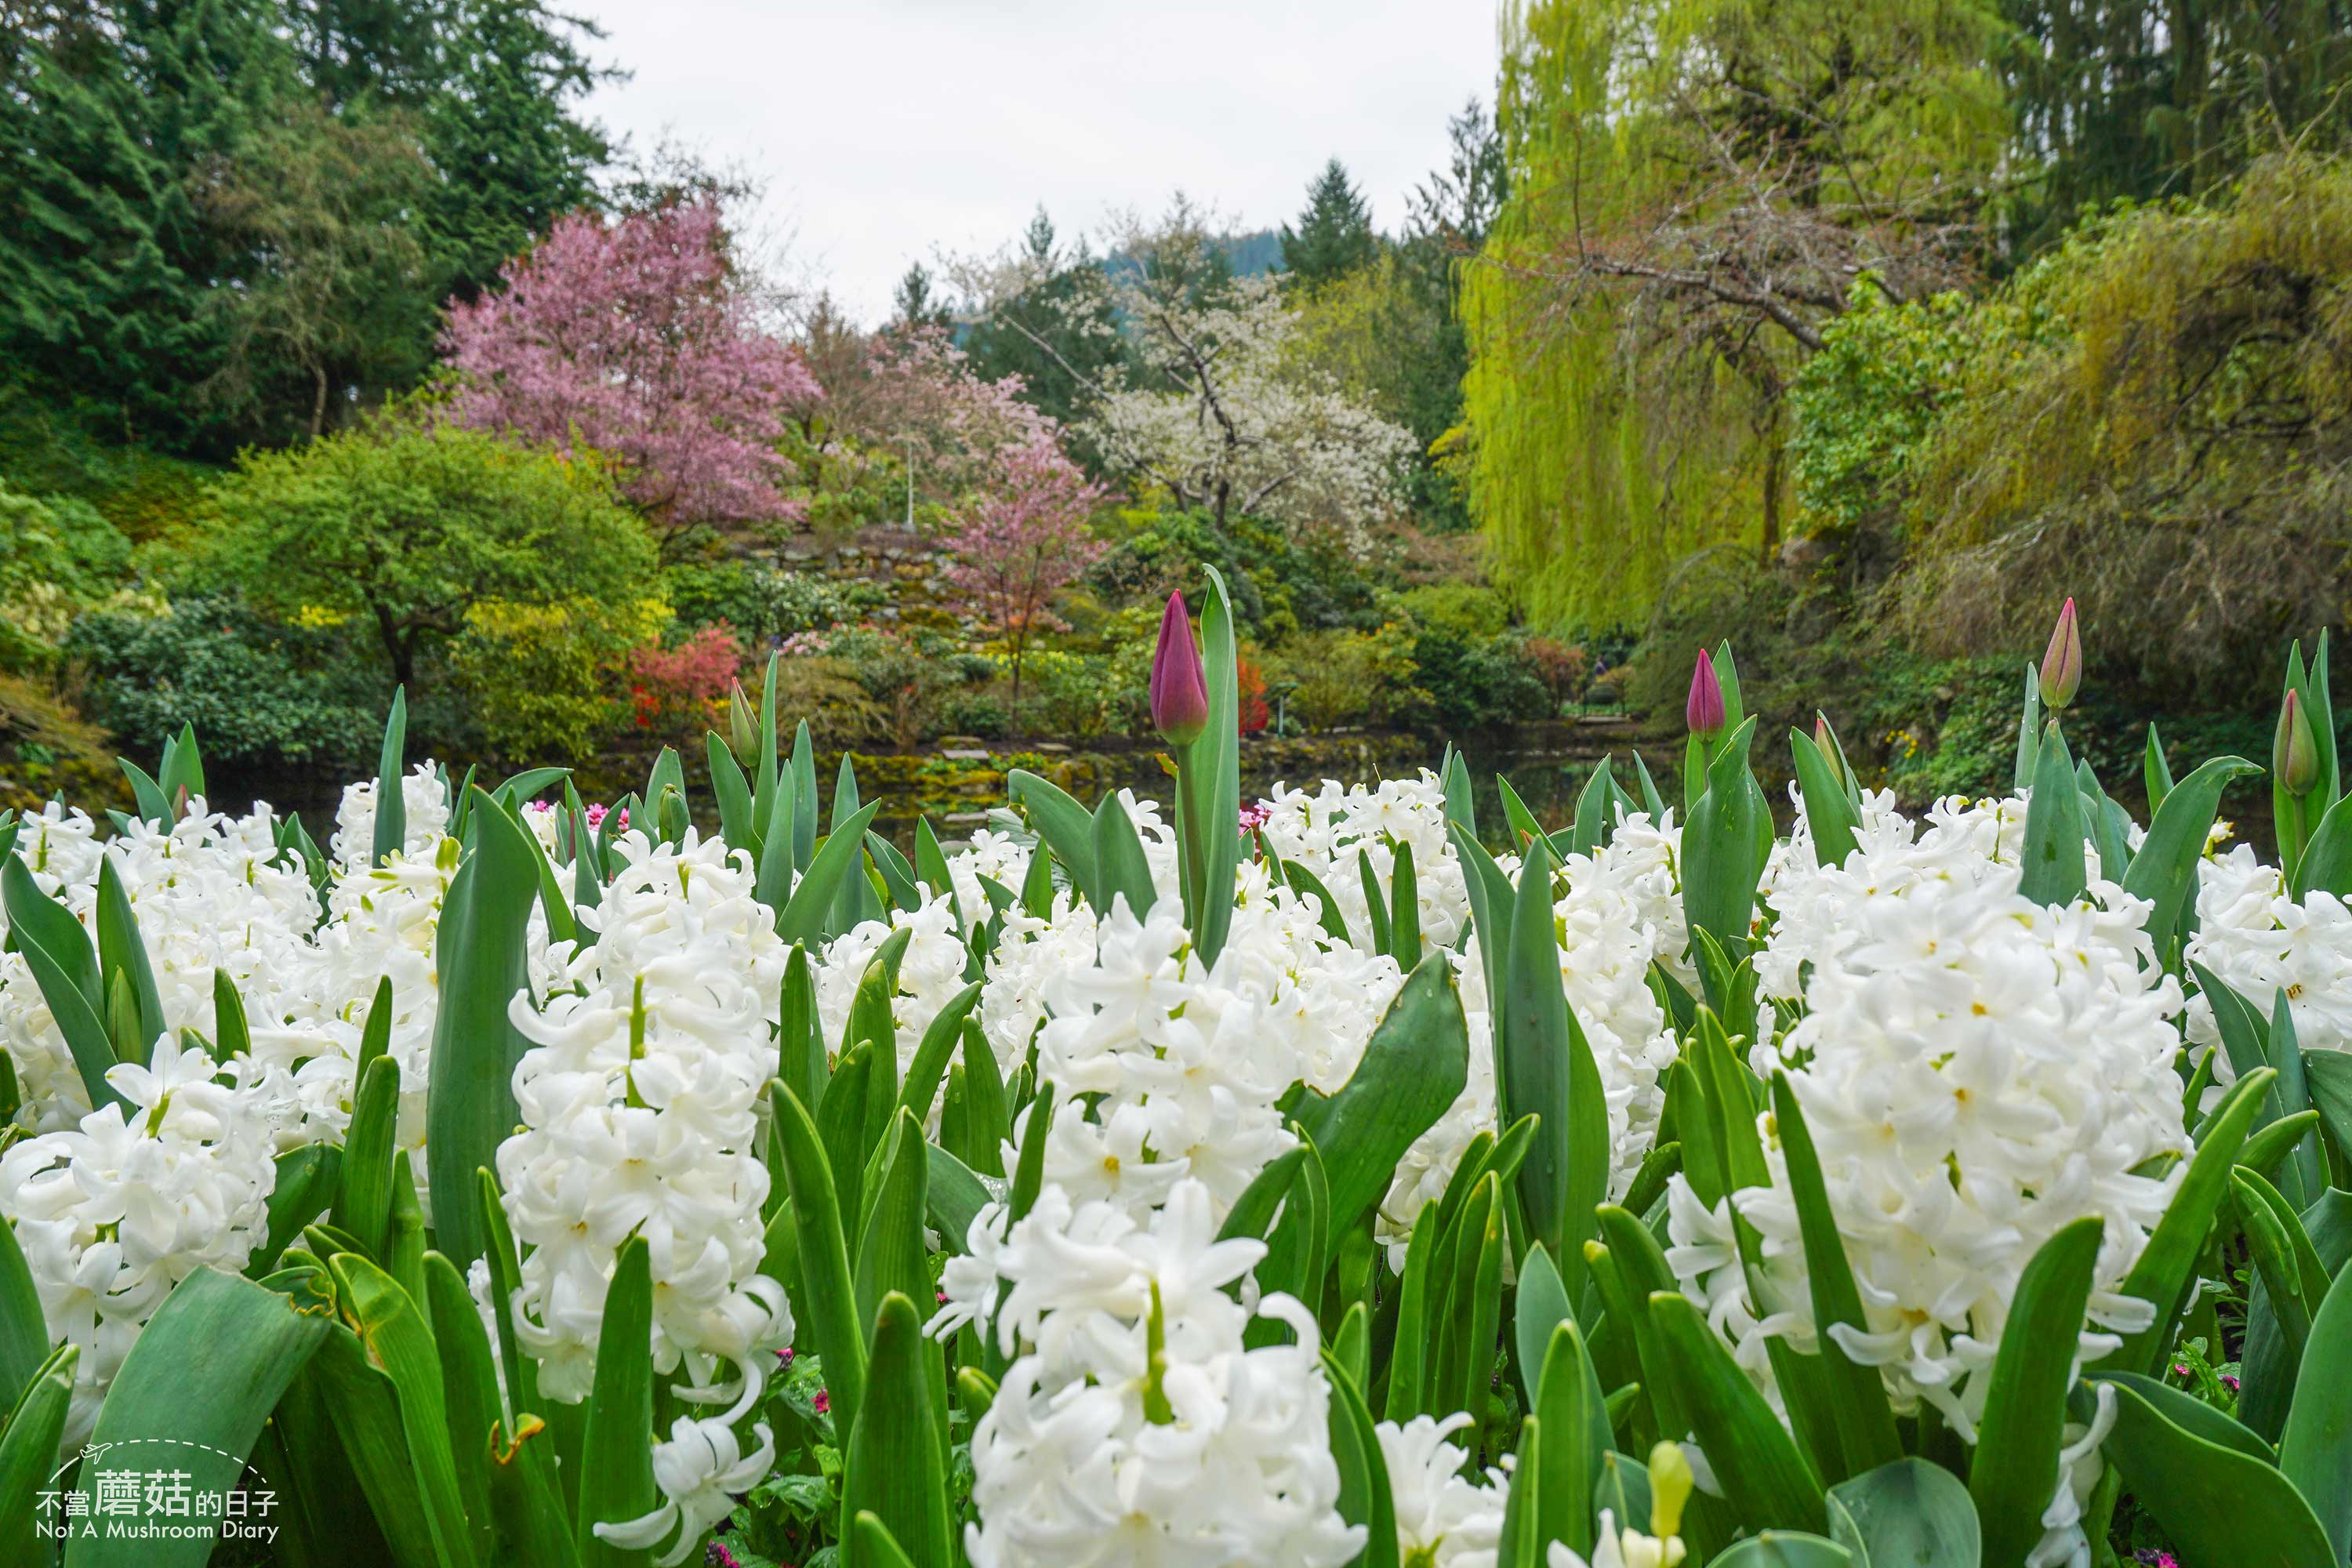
[1345, 680]
[1866, 403]
[544, 680]
[904, 676]
[405, 526]
[973, 714]
[1468, 684]
[762, 603]
[255, 688]
[1078, 694]
[1469, 610]
[1279, 583]
[50, 452]
[57, 558]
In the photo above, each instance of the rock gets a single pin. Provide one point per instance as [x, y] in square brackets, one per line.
[1803, 552]
[965, 754]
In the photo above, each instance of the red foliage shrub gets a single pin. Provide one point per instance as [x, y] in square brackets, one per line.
[1249, 687]
[1563, 667]
[682, 691]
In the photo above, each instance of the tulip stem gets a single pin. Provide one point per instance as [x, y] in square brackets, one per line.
[1192, 862]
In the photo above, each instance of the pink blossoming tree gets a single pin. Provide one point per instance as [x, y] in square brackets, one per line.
[1024, 535]
[899, 397]
[634, 339]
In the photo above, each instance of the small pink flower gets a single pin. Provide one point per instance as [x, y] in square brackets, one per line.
[2180, 1369]
[2230, 1382]
[824, 1401]
[1255, 815]
[718, 1556]
[785, 1355]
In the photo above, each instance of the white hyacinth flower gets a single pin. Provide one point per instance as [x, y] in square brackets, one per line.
[113, 1214]
[700, 1469]
[1442, 1520]
[1615, 1548]
[1141, 1429]
[1977, 1072]
[640, 1102]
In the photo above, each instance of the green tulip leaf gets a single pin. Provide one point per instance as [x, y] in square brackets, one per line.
[469, 1108]
[2316, 1449]
[893, 1469]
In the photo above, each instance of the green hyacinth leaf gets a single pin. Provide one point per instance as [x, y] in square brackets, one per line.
[2025, 1410]
[1909, 1514]
[2219, 1506]
[192, 1395]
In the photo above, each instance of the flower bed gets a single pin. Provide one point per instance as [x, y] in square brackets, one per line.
[1331, 1178]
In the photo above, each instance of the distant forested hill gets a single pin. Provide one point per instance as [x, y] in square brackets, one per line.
[1248, 254]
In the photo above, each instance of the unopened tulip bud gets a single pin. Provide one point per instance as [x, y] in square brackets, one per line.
[742, 725]
[1704, 711]
[2294, 750]
[1827, 744]
[2062, 666]
[1180, 690]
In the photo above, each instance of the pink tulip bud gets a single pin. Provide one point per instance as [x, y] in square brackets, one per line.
[1703, 711]
[1180, 691]
[2294, 750]
[2062, 666]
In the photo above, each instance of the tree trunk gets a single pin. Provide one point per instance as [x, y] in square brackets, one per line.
[398, 647]
[317, 401]
[1012, 717]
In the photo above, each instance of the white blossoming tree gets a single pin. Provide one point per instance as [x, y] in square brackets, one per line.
[1212, 401]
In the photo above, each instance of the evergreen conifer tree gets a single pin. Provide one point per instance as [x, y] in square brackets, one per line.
[107, 124]
[1333, 235]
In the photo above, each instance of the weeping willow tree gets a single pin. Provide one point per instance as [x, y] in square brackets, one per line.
[1695, 187]
[2156, 419]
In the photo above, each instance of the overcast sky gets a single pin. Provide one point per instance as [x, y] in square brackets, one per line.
[889, 129]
